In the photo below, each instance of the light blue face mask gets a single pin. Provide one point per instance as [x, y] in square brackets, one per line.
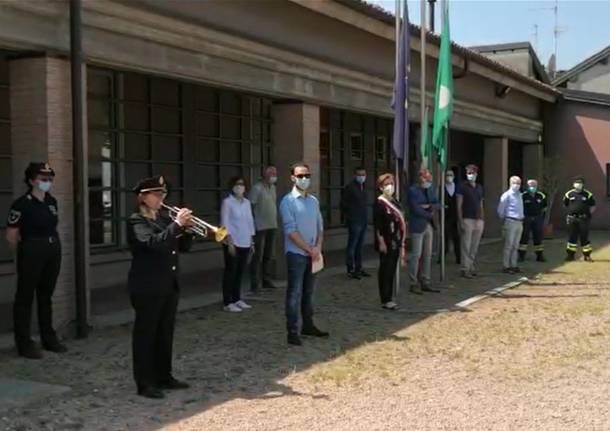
[532, 190]
[427, 184]
[303, 183]
[360, 179]
[44, 186]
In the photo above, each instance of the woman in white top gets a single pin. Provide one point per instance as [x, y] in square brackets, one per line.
[236, 216]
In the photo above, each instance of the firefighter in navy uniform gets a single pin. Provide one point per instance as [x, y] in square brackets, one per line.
[534, 209]
[580, 205]
[155, 241]
[32, 232]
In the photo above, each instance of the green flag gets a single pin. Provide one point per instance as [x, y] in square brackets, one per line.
[426, 141]
[443, 98]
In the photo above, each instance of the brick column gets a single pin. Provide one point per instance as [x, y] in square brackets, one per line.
[495, 171]
[41, 121]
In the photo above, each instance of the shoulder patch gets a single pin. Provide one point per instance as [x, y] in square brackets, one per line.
[14, 216]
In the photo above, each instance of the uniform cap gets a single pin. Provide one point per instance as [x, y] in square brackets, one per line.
[151, 184]
[578, 179]
[38, 168]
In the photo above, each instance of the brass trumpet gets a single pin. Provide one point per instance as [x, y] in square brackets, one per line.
[201, 227]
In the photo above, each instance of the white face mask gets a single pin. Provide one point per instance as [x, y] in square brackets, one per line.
[44, 186]
[515, 187]
[578, 186]
[360, 179]
[449, 179]
[471, 177]
[239, 190]
[303, 183]
[388, 189]
[272, 180]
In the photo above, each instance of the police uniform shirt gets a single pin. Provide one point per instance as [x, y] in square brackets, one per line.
[34, 218]
[579, 202]
[534, 204]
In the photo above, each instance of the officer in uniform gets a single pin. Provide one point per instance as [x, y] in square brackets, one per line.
[32, 231]
[155, 240]
[534, 208]
[580, 205]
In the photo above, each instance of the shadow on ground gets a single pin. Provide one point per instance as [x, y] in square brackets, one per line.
[227, 356]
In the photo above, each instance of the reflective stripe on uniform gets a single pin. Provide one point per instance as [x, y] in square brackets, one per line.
[587, 248]
[572, 247]
[522, 247]
[539, 247]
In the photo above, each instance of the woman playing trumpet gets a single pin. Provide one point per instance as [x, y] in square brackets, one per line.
[155, 241]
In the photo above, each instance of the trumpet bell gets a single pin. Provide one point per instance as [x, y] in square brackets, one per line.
[220, 234]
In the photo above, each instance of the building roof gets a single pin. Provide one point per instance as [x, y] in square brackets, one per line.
[586, 97]
[380, 14]
[582, 66]
[515, 46]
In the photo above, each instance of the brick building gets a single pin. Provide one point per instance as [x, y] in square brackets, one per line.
[203, 92]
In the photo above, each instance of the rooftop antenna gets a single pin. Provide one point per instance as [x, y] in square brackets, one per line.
[557, 30]
[535, 34]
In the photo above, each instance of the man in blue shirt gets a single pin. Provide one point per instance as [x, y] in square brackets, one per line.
[423, 204]
[510, 210]
[303, 236]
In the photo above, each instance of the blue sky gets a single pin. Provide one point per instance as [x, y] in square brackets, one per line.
[584, 25]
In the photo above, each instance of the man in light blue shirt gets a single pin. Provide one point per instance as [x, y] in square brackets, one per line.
[303, 236]
[510, 210]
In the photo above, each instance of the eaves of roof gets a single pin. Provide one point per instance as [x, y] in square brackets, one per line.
[582, 66]
[586, 97]
[380, 14]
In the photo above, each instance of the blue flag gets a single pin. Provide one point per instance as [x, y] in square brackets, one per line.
[401, 93]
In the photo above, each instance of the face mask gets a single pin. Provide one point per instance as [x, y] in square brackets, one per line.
[360, 179]
[239, 190]
[388, 190]
[303, 183]
[532, 189]
[44, 186]
[272, 180]
[427, 184]
[515, 187]
[578, 186]
[471, 177]
[449, 179]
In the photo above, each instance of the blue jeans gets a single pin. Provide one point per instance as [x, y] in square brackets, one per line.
[356, 232]
[299, 294]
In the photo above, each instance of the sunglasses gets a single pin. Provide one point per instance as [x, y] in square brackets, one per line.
[300, 176]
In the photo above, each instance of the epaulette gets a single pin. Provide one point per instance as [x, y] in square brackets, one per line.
[543, 195]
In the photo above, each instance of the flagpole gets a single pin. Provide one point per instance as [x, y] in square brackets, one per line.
[443, 169]
[422, 75]
[397, 180]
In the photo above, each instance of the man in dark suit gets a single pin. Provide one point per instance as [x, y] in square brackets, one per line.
[452, 231]
[155, 240]
[353, 205]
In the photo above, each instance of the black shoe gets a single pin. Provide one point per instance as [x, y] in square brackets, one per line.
[151, 392]
[54, 346]
[507, 270]
[363, 273]
[29, 351]
[587, 258]
[354, 275]
[416, 290]
[173, 384]
[295, 340]
[269, 285]
[540, 257]
[314, 332]
[465, 274]
[515, 270]
[429, 289]
[570, 257]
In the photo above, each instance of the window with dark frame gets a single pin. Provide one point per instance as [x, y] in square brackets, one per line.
[356, 146]
[196, 136]
[381, 148]
[6, 176]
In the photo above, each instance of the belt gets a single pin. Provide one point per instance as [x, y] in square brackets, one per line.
[49, 239]
[514, 218]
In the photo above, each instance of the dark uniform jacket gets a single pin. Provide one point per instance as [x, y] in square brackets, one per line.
[35, 219]
[155, 245]
[534, 205]
[353, 203]
[579, 203]
[451, 216]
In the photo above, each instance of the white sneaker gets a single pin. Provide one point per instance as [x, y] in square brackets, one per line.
[242, 305]
[232, 308]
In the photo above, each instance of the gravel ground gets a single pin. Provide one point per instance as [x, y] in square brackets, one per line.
[533, 358]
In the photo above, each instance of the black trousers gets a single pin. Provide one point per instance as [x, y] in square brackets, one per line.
[452, 236]
[153, 337]
[38, 265]
[579, 230]
[535, 227]
[387, 274]
[263, 251]
[235, 267]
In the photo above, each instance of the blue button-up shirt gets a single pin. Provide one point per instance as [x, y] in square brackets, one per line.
[300, 214]
[511, 205]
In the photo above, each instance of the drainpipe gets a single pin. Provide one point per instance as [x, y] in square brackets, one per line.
[79, 165]
[431, 19]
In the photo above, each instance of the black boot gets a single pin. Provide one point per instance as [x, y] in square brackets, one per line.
[570, 256]
[172, 383]
[151, 392]
[29, 350]
[540, 257]
[54, 346]
[521, 256]
[587, 257]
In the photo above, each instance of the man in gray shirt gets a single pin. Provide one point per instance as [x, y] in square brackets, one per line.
[264, 203]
